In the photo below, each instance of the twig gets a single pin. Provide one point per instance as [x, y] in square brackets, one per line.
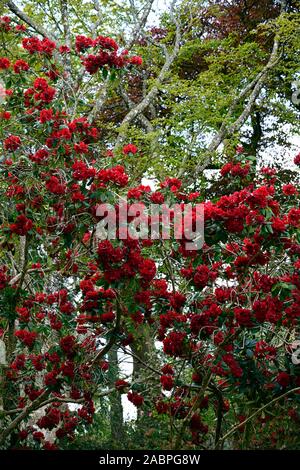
[232, 430]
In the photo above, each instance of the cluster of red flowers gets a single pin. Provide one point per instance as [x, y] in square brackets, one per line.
[18, 66]
[4, 277]
[4, 63]
[12, 143]
[55, 186]
[34, 44]
[235, 169]
[174, 343]
[5, 23]
[26, 337]
[106, 54]
[115, 175]
[21, 65]
[135, 398]
[22, 225]
[46, 115]
[167, 382]
[121, 384]
[129, 148]
[83, 42]
[40, 94]
[39, 156]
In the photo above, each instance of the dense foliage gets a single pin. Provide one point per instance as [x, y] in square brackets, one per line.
[210, 331]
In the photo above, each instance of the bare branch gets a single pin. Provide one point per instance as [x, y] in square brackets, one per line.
[98, 22]
[142, 118]
[65, 21]
[67, 33]
[140, 25]
[152, 93]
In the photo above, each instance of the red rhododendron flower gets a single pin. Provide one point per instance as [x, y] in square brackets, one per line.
[174, 343]
[283, 379]
[50, 379]
[136, 60]
[19, 362]
[12, 143]
[38, 436]
[5, 115]
[130, 148]
[20, 65]
[135, 398]
[289, 189]
[67, 344]
[104, 365]
[34, 44]
[83, 42]
[167, 382]
[21, 27]
[64, 49]
[278, 225]
[120, 384]
[167, 369]
[297, 159]
[4, 63]
[5, 23]
[147, 269]
[46, 115]
[81, 147]
[26, 337]
[157, 198]
[22, 225]
[107, 317]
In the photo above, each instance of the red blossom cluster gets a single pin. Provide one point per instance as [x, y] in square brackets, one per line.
[106, 54]
[129, 148]
[12, 143]
[34, 44]
[235, 169]
[26, 337]
[22, 225]
[135, 398]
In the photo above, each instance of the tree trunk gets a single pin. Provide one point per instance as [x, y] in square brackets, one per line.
[116, 408]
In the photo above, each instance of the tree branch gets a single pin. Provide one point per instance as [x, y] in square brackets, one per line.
[227, 131]
[232, 430]
[130, 104]
[38, 28]
[152, 93]
[26, 411]
[102, 94]
[111, 340]
[140, 25]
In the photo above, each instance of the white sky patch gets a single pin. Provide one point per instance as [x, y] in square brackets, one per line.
[285, 155]
[126, 369]
[150, 182]
[159, 6]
